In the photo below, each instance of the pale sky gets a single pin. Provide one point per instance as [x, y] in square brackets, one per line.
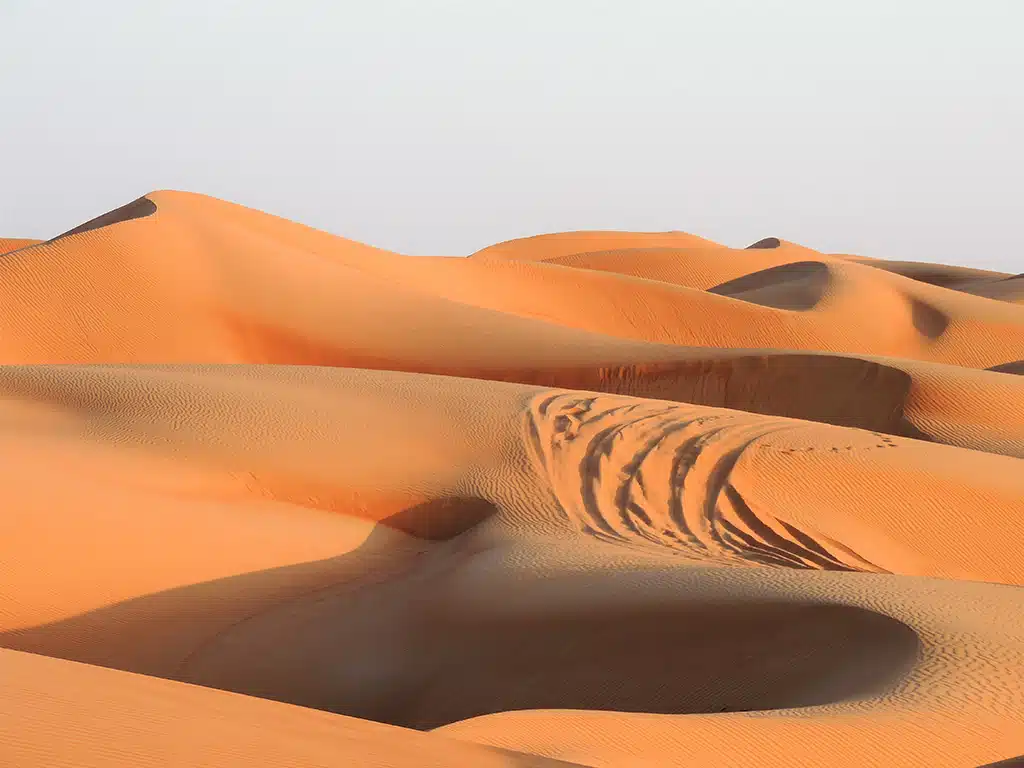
[892, 128]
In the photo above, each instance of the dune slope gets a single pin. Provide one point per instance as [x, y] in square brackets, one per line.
[56, 713]
[273, 497]
[8, 244]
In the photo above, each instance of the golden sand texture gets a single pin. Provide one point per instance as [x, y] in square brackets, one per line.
[597, 499]
[8, 244]
[56, 713]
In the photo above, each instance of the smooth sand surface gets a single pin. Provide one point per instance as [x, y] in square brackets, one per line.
[58, 714]
[605, 498]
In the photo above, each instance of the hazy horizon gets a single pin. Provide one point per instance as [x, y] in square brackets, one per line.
[887, 129]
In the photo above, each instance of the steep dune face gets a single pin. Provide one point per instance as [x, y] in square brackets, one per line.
[203, 280]
[136, 209]
[942, 275]
[589, 498]
[1017, 366]
[1010, 762]
[799, 285]
[705, 517]
[978, 282]
[1010, 289]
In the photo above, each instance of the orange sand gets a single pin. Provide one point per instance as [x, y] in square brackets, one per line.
[612, 499]
[8, 244]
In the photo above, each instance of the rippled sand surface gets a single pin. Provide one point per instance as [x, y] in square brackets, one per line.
[271, 497]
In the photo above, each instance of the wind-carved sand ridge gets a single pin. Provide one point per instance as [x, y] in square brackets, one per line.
[9, 244]
[273, 497]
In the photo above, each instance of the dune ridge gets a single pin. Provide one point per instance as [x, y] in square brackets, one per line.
[274, 497]
[8, 244]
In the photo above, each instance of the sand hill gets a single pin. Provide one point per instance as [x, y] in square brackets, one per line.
[272, 497]
[8, 244]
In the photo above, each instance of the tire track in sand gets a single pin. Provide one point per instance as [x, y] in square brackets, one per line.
[659, 475]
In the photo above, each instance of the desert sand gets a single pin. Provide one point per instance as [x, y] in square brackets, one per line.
[8, 244]
[271, 497]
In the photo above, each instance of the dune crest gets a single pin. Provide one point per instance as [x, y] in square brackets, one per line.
[274, 497]
[1017, 366]
[9, 244]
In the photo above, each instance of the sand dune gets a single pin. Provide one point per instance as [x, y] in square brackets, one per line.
[200, 280]
[186, 278]
[561, 244]
[1009, 289]
[591, 498]
[8, 244]
[980, 282]
[58, 713]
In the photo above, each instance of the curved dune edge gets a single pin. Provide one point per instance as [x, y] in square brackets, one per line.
[607, 497]
[1017, 366]
[765, 244]
[55, 712]
[202, 280]
[136, 209]
[1000, 286]
[9, 244]
[562, 244]
[171, 286]
[799, 285]
[942, 275]
[736, 740]
[1010, 289]
[291, 409]
[243, 501]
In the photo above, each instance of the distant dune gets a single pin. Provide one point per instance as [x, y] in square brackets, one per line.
[271, 497]
[8, 244]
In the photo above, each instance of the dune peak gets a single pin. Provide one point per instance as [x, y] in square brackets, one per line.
[136, 209]
[583, 498]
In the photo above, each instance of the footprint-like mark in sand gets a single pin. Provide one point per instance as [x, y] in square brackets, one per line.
[651, 474]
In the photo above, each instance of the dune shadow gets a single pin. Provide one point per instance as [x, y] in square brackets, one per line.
[671, 658]
[928, 320]
[376, 634]
[1004, 289]
[798, 286]
[442, 519]
[1015, 366]
[154, 634]
[136, 209]
[1010, 762]
[830, 389]
[765, 244]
